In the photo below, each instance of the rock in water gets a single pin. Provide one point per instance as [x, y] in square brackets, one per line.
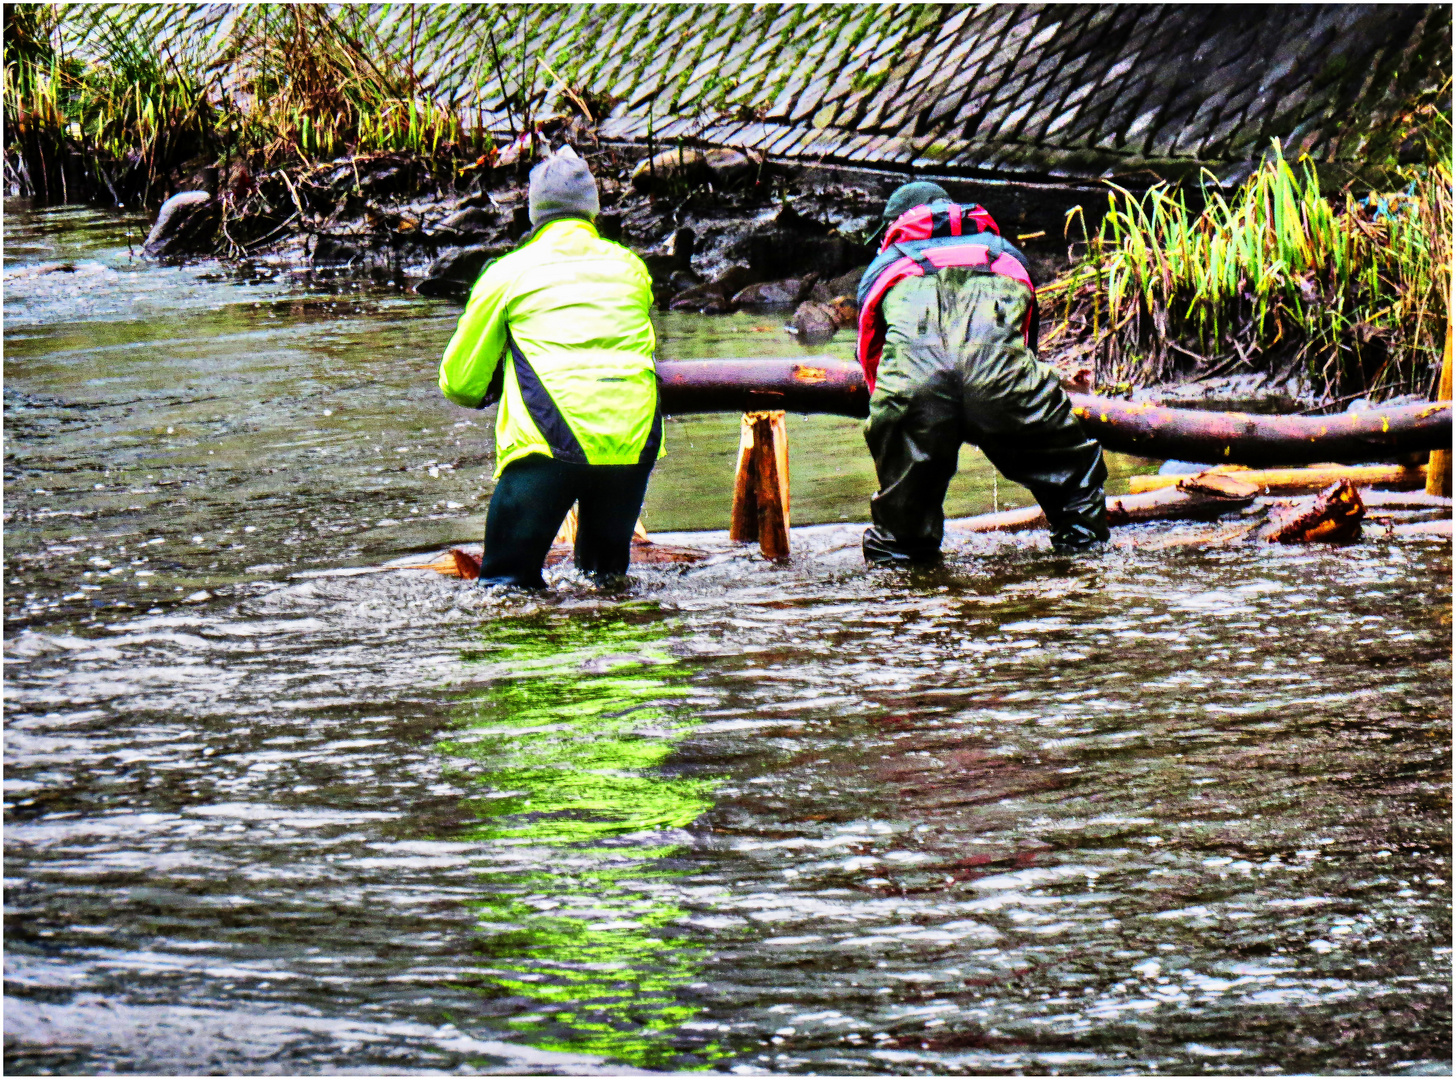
[454, 272]
[775, 293]
[676, 256]
[815, 321]
[328, 251]
[186, 223]
[471, 219]
[732, 169]
[714, 298]
[813, 324]
[680, 166]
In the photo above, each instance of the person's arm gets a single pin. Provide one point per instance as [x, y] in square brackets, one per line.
[474, 353]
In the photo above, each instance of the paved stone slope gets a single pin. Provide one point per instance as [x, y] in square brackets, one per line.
[1039, 90]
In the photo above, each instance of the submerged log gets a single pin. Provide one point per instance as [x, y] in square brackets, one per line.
[1166, 504]
[1300, 481]
[828, 385]
[462, 564]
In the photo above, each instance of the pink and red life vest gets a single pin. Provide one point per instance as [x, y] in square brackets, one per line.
[923, 240]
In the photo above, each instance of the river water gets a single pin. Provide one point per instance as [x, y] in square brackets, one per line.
[1165, 809]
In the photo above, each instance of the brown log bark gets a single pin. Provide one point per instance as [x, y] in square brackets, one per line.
[810, 385]
[743, 524]
[826, 385]
[761, 486]
[1300, 481]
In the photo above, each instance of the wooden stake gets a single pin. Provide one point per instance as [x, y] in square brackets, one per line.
[761, 486]
[567, 533]
[1438, 472]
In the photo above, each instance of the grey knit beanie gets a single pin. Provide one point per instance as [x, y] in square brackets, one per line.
[562, 186]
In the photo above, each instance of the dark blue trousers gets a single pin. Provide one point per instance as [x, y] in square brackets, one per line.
[530, 503]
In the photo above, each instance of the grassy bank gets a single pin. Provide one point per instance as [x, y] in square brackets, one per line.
[1348, 295]
[299, 84]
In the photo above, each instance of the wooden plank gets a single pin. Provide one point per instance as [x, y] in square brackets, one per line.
[771, 451]
[1298, 481]
[743, 527]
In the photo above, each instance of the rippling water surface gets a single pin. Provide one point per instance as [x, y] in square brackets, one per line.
[1175, 810]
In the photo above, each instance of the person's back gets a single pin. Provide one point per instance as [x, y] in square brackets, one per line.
[559, 332]
[947, 340]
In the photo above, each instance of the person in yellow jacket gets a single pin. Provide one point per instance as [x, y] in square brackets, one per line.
[558, 331]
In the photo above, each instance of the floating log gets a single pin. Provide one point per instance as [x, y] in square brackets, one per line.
[1166, 504]
[761, 486]
[828, 385]
[1300, 481]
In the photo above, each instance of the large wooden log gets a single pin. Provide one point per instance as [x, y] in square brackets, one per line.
[1251, 439]
[810, 385]
[827, 385]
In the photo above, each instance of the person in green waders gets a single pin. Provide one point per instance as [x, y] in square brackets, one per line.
[947, 340]
[558, 332]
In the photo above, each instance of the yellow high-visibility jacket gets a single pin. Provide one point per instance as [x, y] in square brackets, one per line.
[567, 316]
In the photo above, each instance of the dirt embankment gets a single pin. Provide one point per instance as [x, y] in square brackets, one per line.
[719, 230]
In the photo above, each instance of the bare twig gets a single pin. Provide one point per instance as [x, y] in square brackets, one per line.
[569, 91]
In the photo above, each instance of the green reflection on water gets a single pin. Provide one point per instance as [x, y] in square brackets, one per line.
[579, 916]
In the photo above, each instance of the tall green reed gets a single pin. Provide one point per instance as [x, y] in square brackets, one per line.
[1352, 294]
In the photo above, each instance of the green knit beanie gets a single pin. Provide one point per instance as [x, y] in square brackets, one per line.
[915, 193]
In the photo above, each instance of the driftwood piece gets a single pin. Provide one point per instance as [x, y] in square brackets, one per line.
[1298, 481]
[761, 485]
[1331, 517]
[1166, 504]
[828, 385]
